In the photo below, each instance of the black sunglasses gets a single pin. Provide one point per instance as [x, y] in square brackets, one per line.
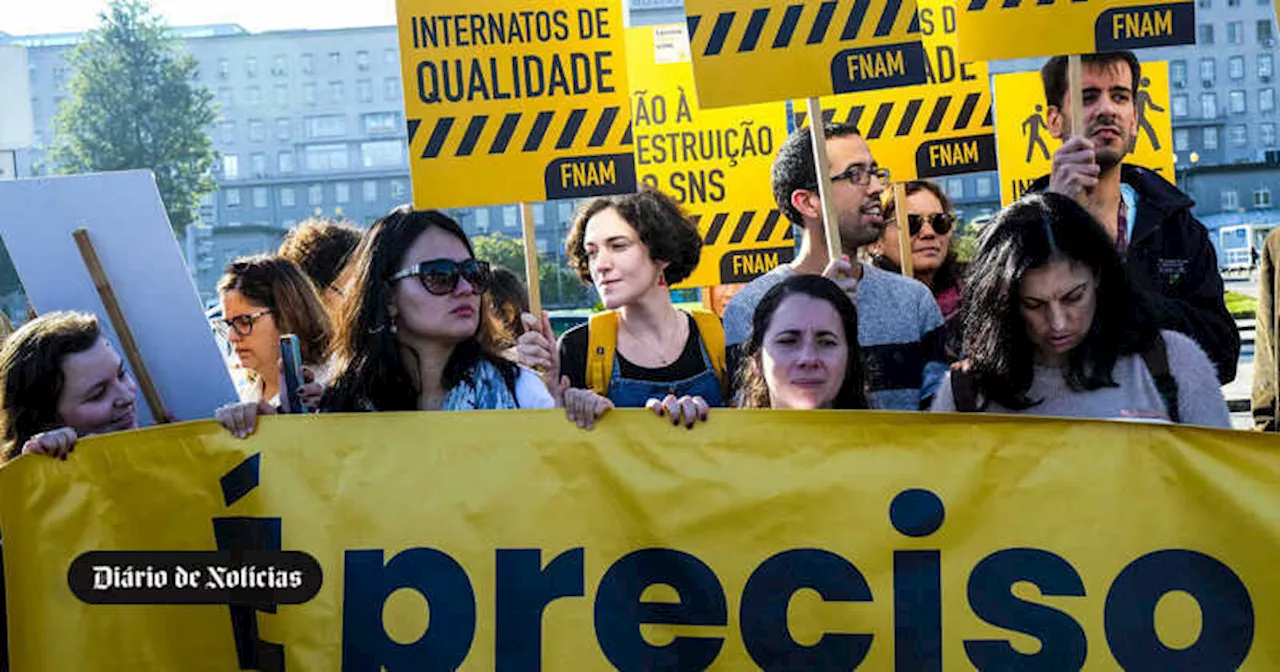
[440, 276]
[940, 221]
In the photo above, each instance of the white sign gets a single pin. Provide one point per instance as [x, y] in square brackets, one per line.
[127, 224]
[17, 128]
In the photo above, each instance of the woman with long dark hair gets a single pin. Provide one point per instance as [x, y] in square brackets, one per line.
[803, 350]
[1053, 327]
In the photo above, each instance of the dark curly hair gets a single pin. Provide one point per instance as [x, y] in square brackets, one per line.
[320, 247]
[752, 390]
[662, 225]
[31, 377]
[952, 271]
[1034, 232]
[793, 167]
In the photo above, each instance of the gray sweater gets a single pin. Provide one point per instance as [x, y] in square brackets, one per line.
[1200, 400]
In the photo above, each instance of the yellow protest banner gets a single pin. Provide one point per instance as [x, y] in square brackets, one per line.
[777, 540]
[1026, 146]
[761, 51]
[714, 162]
[943, 127]
[998, 29]
[507, 102]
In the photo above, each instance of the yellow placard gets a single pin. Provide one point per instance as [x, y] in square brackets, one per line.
[779, 540]
[998, 29]
[940, 128]
[1025, 146]
[714, 162]
[758, 51]
[509, 101]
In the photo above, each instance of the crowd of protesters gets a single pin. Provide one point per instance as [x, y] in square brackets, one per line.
[1097, 295]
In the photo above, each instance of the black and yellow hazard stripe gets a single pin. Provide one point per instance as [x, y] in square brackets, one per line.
[903, 118]
[780, 27]
[519, 132]
[766, 226]
[979, 5]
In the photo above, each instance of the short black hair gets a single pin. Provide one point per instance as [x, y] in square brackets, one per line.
[659, 221]
[1054, 73]
[793, 167]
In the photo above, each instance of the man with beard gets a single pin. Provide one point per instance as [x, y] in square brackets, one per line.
[900, 328]
[1166, 250]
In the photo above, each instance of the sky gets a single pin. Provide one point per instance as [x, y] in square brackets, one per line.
[66, 16]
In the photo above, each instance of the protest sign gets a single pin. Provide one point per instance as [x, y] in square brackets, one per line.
[506, 102]
[716, 163]
[130, 231]
[1025, 145]
[762, 539]
[997, 29]
[761, 51]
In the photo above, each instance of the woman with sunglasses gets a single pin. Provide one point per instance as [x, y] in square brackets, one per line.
[263, 297]
[641, 352]
[416, 331]
[933, 260]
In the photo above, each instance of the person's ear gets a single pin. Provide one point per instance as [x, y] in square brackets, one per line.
[1056, 120]
[807, 202]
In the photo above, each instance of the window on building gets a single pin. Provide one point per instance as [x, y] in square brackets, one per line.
[1235, 32]
[259, 197]
[287, 197]
[1235, 102]
[342, 192]
[335, 58]
[326, 126]
[230, 167]
[955, 188]
[482, 220]
[1267, 134]
[251, 66]
[224, 68]
[233, 197]
[398, 190]
[1181, 140]
[382, 153]
[1180, 105]
[364, 90]
[1266, 100]
[542, 245]
[539, 215]
[253, 95]
[224, 96]
[335, 92]
[315, 194]
[1209, 105]
[1239, 135]
[284, 162]
[309, 93]
[381, 123]
[1235, 67]
[281, 95]
[308, 64]
[564, 212]
[227, 131]
[1209, 137]
[1208, 69]
[1206, 34]
[510, 216]
[983, 187]
[390, 57]
[391, 89]
[284, 128]
[258, 164]
[320, 158]
[1266, 67]
[1262, 197]
[369, 191]
[280, 66]
[1265, 33]
[257, 130]
[1230, 199]
[1178, 71]
[1204, 4]
[362, 61]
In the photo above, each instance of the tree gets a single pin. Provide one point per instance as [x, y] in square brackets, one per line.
[132, 106]
[560, 286]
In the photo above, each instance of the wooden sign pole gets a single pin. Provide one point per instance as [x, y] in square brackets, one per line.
[131, 352]
[1075, 93]
[531, 260]
[830, 218]
[901, 215]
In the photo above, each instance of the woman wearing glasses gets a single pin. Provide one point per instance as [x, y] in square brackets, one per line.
[933, 260]
[642, 351]
[263, 297]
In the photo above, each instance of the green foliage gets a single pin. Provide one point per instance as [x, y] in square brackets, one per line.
[965, 245]
[1241, 306]
[560, 286]
[133, 106]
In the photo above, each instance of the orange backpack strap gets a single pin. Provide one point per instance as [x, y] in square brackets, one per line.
[712, 332]
[602, 345]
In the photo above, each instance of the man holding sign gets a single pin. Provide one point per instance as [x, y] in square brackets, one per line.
[1166, 250]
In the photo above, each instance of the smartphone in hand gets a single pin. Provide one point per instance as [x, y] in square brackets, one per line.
[291, 367]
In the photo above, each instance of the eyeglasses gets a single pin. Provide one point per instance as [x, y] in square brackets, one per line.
[860, 175]
[940, 221]
[440, 276]
[241, 324]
